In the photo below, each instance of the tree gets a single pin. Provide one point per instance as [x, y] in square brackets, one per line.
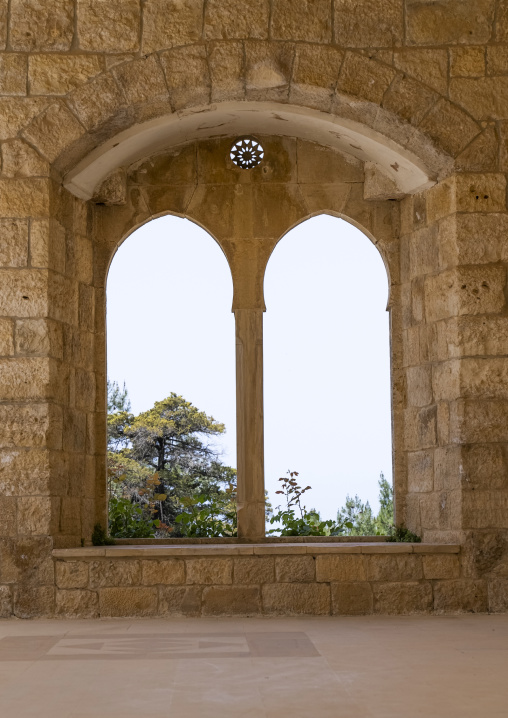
[384, 519]
[359, 515]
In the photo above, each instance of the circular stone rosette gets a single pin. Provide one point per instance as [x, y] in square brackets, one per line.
[246, 153]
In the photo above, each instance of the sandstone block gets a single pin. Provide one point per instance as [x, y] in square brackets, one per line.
[13, 242]
[482, 154]
[108, 26]
[71, 574]
[460, 596]
[314, 161]
[449, 126]
[444, 566]
[295, 569]
[226, 71]
[231, 600]
[8, 517]
[482, 466]
[77, 604]
[23, 293]
[59, 74]
[296, 599]
[408, 99]
[209, 570]
[119, 602]
[317, 66]
[47, 245]
[91, 113]
[441, 510]
[169, 572]
[419, 386]
[39, 25]
[169, 23]
[340, 568]
[428, 65]
[30, 426]
[267, 69]
[481, 192]
[21, 160]
[180, 601]
[352, 599]
[142, 80]
[386, 567]
[38, 336]
[25, 378]
[25, 472]
[402, 598]
[420, 471]
[5, 601]
[498, 595]
[24, 197]
[13, 74]
[187, 76]
[420, 428]
[6, 337]
[115, 573]
[223, 21]
[467, 61]
[478, 335]
[254, 570]
[312, 23]
[368, 24]
[459, 22]
[465, 290]
[53, 131]
[485, 509]
[27, 559]
[497, 60]
[365, 78]
[37, 515]
[3, 25]
[34, 601]
[479, 420]
[17, 112]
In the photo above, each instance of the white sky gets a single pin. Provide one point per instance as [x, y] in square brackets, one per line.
[326, 347]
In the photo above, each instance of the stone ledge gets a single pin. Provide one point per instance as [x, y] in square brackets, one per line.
[252, 550]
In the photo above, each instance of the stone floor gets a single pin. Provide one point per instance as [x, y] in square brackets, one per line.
[256, 668]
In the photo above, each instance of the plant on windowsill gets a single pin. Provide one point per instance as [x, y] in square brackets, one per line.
[307, 523]
[401, 534]
[100, 537]
[209, 516]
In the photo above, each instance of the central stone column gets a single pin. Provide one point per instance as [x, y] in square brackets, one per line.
[249, 423]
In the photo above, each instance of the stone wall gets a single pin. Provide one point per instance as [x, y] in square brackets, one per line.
[139, 91]
[268, 580]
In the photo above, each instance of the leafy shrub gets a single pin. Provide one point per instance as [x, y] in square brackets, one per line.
[126, 520]
[208, 516]
[100, 537]
[401, 534]
[308, 523]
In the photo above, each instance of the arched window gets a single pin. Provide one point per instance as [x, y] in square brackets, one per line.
[327, 364]
[170, 329]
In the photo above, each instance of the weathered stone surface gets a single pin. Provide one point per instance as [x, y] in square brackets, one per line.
[365, 78]
[180, 601]
[25, 378]
[13, 242]
[71, 574]
[268, 70]
[368, 23]
[13, 74]
[5, 601]
[142, 80]
[25, 472]
[419, 386]
[59, 74]
[460, 596]
[498, 595]
[169, 23]
[84, 101]
[77, 604]
[223, 21]
[254, 570]
[402, 598]
[420, 428]
[114, 572]
[34, 601]
[428, 65]
[16, 113]
[24, 197]
[482, 154]
[317, 66]
[352, 599]
[52, 131]
[209, 570]
[8, 516]
[467, 61]
[30, 426]
[226, 71]
[420, 471]
[38, 337]
[37, 515]
[187, 76]
[295, 569]
[231, 600]
[47, 245]
[40, 25]
[449, 126]
[21, 160]
[497, 60]
[302, 21]
[441, 566]
[296, 599]
[459, 21]
[340, 568]
[108, 26]
[128, 602]
[405, 567]
[484, 98]
[168, 571]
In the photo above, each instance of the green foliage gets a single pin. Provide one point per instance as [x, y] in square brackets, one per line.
[209, 516]
[308, 523]
[384, 519]
[126, 520]
[100, 537]
[359, 516]
[401, 534]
